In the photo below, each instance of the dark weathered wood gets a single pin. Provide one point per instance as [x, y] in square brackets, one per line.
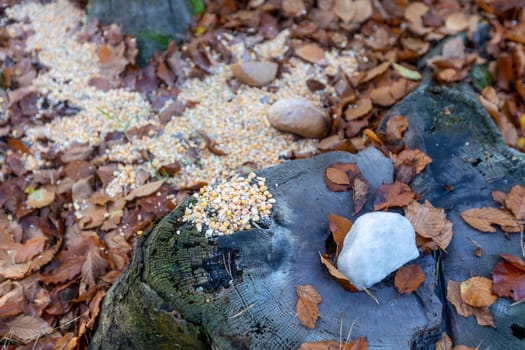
[256, 310]
[468, 154]
[152, 22]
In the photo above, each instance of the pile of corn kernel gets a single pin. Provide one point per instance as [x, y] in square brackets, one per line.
[230, 206]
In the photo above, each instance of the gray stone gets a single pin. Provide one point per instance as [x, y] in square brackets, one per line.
[298, 117]
[378, 243]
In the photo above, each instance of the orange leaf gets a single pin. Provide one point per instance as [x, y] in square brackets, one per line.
[396, 194]
[408, 278]
[483, 315]
[350, 169]
[307, 305]
[337, 176]
[477, 291]
[144, 190]
[339, 226]
[337, 275]
[311, 53]
[395, 127]
[357, 344]
[515, 201]
[508, 277]
[412, 157]
[430, 222]
[483, 218]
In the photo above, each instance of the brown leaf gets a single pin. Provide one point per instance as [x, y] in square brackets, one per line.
[350, 169]
[396, 194]
[360, 109]
[483, 218]
[445, 343]
[312, 53]
[28, 250]
[515, 201]
[27, 328]
[12, 299]
[357, 344]
[337, 176]
[66, 271]
[408, 278]
[339, 226]
[361, 188]
[337, 275]
[483, 315]
[499, 197]
[430, 222]
[307, 305]
[94, 267]
[345, 10]
[395, 127]
[477, 292]
[40, 198]
[94, 308]
[456, 23]
[508, 277]
[144, 190]
[413, 157]
[67, 342]
[374, 72]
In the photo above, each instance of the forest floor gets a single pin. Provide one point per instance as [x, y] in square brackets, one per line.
[94, 149]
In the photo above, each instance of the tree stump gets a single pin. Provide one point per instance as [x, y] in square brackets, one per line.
[238, 292]
[153, 23]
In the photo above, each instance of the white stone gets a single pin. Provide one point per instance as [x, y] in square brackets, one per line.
[378, 243]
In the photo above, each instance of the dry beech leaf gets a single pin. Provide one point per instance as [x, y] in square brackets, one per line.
[337, 176]
[40, 198]
[408, 278]
[66, 271]
[27, 328]
[515, 201]
[312, 53]
[28, 250]
[396, 194]
[483, 218]
[445, 343]
[361, 189]
[374, 72]
[456, 23]
[483, 315]
[395, 127]
[413, 157]
[339, 226]
[430, 222]
[144, 190]
[357, 344]
[345, 10]
[337, 275]
[508, 277]
[307, 305]
[350, 169]
[359, 109]
[477, 292]
[499, 197]
[415, 11]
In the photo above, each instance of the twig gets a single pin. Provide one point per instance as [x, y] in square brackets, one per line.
[243, 310]
[371, 295]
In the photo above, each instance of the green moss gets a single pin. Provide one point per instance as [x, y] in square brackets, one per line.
[197, 6]
[150, 35]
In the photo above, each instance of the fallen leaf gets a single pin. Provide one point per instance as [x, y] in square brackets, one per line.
[515, 201]
[445, 343]
[395, 127]
[407, 73]
[337, 275]
[374, 72]
[361, 189]
[337, 176]
[456, 23]
[482, 314]
[40, 198]
[359, 109]
[396, 194]
[12, 299]
[349, 169]
[312, 53]
[499, 197]
[508, 277]
[483, 218]
[339, 226]
[357, 344]
[28, 250]
[430, 222]
[144, 190]
[307, 305]
[66, 271]
[67, 342]
[345, 10]
[477, 292]
[408, 278]
[413, 157]
[94, 267]
[27, 328]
